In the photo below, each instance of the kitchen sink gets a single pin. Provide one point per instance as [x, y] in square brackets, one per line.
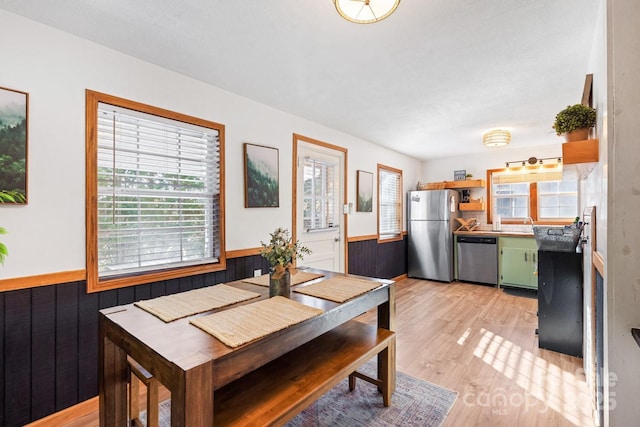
[555, 238]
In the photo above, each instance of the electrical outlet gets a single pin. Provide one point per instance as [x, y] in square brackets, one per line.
[257, 272]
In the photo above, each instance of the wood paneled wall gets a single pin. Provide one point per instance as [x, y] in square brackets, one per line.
[382, 260]
[49, 343]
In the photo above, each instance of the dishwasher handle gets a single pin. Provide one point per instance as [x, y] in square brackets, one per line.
[485, 240]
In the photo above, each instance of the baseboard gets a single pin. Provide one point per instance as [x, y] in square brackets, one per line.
[399, 278]
[69, 414]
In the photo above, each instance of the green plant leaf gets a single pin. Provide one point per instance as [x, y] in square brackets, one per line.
[574, 117]
[3, 252]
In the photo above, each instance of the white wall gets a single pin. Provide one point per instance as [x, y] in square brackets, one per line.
[477, 165]
[55, 68]
[594, 188]
[622, 196]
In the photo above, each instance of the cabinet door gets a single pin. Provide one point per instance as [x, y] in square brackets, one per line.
[516, 267]
[534, 270]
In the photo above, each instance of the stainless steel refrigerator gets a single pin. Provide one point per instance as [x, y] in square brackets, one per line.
[431, 217]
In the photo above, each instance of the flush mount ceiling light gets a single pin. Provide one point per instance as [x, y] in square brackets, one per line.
[496, 138]
[365, 11]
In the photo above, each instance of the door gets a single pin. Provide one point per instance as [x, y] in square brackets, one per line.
[429, 205]
[430, 250]
[320, 222]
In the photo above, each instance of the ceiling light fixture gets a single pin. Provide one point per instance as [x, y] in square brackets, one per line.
[533, 161]
[366, 11]
[496, 138]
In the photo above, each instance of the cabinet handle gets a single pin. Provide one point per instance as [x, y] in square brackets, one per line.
[534, 256]
[525, 257]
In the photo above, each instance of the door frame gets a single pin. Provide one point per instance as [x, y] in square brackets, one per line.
[294, 203]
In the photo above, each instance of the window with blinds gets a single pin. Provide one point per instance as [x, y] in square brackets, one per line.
[543, 195]
[389, 203]
[158, 191]
[320, 195]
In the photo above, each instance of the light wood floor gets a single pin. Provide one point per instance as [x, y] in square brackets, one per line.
[480, 341]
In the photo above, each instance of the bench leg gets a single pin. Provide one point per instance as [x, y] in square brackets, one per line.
[134, 397]
[386, 374]
[152, 404]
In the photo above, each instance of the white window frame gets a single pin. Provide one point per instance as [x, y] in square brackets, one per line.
[321, 199]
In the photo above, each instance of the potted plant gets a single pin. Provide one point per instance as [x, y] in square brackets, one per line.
[575, 121]
[281, 252]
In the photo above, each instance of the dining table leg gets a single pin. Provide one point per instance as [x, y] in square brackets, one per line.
[112, 382]
[192, 400]
[387, 320]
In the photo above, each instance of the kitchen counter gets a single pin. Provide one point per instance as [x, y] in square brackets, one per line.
[493, 233]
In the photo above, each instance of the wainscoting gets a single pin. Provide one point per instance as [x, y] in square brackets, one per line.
[49, 345]
[373, 259]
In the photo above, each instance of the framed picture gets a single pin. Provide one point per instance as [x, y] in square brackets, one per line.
[14, 107]
[261, 185]
[364, 183]
[459, 175]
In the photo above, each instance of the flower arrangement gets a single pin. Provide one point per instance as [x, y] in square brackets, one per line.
[281, 251]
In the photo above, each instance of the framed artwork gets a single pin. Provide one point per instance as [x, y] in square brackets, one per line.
[14, 107]
[364, 184]
[459, 175]
[261, 182]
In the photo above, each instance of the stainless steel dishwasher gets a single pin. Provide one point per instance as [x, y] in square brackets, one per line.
[477, 259]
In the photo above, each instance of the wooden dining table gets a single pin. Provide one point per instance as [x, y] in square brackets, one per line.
[192, 364]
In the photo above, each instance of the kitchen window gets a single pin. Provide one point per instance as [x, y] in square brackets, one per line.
[389, 203]
[154, 194]
[543, 194]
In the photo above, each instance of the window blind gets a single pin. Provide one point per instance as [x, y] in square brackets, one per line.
[158, 192]
[390, 203]
[320, 195]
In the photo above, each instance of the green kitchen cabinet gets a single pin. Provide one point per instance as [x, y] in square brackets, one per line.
[518, 262]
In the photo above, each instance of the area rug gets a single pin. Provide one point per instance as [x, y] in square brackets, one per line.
[414, 403]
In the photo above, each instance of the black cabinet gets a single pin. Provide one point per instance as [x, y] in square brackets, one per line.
[560, 302]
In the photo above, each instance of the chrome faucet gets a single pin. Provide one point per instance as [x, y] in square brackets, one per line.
[525, 229]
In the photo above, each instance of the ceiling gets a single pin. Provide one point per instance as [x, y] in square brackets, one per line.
[427, 81]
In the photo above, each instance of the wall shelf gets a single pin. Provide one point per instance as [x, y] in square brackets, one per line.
[580, 152]
[453, 185]
[581, 156]
[471, 206]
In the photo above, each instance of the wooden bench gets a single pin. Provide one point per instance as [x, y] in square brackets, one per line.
[138, 374]
[279, 390]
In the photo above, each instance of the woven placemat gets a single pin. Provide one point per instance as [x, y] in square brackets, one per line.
[338, 289]
[296, 279]
[183, 304]
[246, 323]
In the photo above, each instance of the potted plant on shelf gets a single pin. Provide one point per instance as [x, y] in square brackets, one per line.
[281, 252]
[575, 121]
